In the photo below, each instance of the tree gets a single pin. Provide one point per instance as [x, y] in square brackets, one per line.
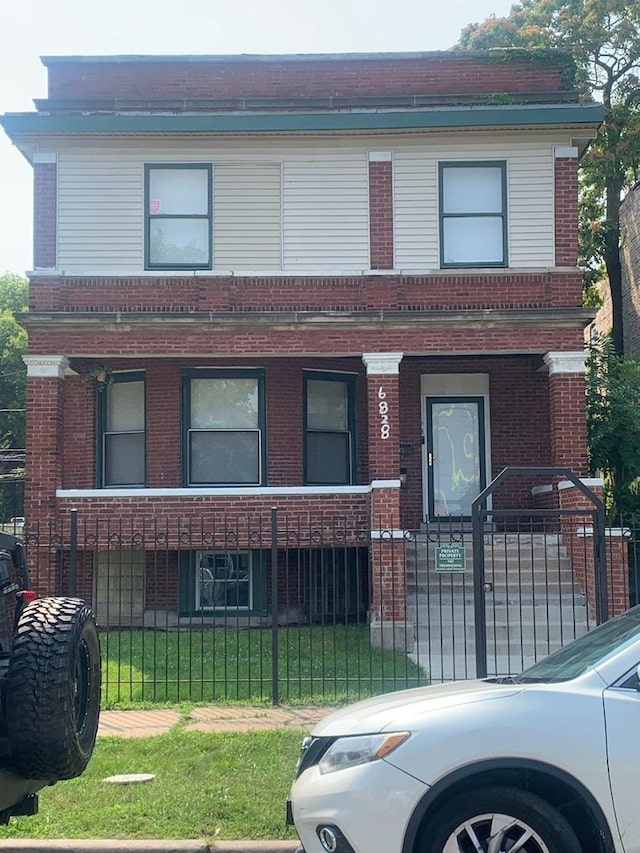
[613, 420]
[13, 345]
[603, 37]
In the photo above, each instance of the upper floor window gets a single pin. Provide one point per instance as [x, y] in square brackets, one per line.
[224, 427]
[329, 450]
[121, 431]
[178, 216]
[473, 214]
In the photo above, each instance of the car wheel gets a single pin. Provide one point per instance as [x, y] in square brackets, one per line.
[498, 820]
[53, 689]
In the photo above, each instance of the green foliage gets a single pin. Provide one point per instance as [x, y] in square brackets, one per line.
[604, 39]
[613, 422]
[13, 345]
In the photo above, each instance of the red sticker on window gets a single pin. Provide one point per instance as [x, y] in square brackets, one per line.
[154, 206]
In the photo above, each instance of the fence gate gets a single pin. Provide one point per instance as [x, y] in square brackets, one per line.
[491, 598]
[539, 576]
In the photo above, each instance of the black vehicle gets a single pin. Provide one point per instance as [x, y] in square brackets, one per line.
[49, 685]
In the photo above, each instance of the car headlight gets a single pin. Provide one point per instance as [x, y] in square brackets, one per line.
[351, 751]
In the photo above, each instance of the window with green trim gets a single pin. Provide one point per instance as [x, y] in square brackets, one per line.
[329, 422]
[224, 580]
[121, 431]
[178, 216]
[473, 214]
[224, 427]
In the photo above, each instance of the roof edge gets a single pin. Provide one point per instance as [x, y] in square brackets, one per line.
[58, 59]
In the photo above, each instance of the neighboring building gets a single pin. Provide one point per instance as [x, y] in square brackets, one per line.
[339, 284]
[630, 260]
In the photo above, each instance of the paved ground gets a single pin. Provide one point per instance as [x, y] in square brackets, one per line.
[214, 718]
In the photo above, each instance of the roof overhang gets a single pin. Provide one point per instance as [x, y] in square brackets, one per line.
[485, 116]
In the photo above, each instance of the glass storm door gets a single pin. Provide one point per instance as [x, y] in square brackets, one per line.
[455, 457]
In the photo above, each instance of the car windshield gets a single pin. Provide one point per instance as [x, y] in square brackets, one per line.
[585, 652]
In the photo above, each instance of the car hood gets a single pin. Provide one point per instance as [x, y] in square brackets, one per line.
[399, 710]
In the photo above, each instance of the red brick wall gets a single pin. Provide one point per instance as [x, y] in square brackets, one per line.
[257, 342]
[566, 207]
[161, 579]
[79, 445]
[45, 188]
[381, 215]
[383, 401]
[45, 402]
[444, 291]
[432, 74]
[568, 422]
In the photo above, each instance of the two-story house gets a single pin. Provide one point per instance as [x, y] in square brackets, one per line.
[343, 286]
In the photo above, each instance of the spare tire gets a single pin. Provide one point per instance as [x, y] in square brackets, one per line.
[53, 689]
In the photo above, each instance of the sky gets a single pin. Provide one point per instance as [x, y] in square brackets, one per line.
[29, 30]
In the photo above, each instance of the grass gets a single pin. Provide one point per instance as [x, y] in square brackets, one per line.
[210, 786]
[316, 664]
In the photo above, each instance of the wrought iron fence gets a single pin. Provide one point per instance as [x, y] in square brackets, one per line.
[282, 608]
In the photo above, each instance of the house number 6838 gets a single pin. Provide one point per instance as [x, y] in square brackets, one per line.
[383, 409]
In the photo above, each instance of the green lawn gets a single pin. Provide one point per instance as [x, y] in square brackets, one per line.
[316, 664]
[231, 785]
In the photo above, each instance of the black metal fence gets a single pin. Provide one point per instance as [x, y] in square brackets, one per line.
[11, 501]
[281, 608]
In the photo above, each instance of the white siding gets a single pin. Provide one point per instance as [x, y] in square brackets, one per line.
[100, 212]
[323, 206]
[530, 192]
[247, 216]
[326, 213]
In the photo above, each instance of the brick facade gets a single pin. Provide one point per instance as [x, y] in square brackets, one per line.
[205, 78]
[381, 214]
[566, 206]
[243, 295]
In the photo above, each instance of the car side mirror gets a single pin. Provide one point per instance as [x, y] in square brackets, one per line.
[638, 678]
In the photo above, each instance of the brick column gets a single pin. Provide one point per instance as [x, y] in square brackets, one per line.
[389, 626]
[566, 206]
[45, 441]
[577, 535]
[45, 179]
[381, 210]
[567, 410]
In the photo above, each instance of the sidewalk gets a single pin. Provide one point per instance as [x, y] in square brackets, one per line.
[21, 845]
[214, 718]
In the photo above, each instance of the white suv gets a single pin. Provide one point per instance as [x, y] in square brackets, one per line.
[544, 762]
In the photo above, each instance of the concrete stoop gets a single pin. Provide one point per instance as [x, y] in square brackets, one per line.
[533, 606]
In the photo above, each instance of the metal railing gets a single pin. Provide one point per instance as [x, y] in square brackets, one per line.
[282, 608]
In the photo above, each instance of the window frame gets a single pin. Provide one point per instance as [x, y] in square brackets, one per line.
[102, 411]
[259, 561]
[467, 164]
[223, 373]
[148, 217]
[350, 380]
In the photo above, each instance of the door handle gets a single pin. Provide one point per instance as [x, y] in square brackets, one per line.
[430, 459]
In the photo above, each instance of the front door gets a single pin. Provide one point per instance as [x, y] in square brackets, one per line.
[455, 455]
